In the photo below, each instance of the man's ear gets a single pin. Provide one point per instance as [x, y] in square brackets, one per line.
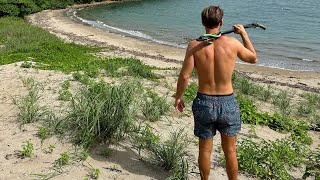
[221, 22]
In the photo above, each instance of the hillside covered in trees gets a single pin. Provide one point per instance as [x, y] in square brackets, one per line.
[25, 7]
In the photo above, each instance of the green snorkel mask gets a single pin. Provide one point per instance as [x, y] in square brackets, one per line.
[209, 38]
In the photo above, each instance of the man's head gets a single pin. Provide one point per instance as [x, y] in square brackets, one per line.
[212, 17]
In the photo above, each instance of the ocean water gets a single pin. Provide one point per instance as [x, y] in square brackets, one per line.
[291, 41]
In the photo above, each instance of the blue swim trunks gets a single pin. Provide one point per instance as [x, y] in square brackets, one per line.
[215, 112]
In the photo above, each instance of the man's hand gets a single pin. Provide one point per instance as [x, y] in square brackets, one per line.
[239, 29]
[179, 105]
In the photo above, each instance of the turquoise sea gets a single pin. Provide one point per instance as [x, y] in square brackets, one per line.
[291, 41]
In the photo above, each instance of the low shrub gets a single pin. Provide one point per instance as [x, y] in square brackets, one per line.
[313, 166]
[282, 101]
[248, 111]
[144, 138]
[281, 123]
[180, 171]
[312, 98]
[43, 133]
[29, 108]
[101, 113]
[94, 173]
[118, 67]
[64, 93]
[263, 93]
[27, 150]
[170, 153]
[154, 106]
[63, 159]
[301, 135]
[270, 160]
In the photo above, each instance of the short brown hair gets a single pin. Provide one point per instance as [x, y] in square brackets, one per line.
[212, 16]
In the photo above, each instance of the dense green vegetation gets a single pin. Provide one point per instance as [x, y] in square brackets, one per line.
[270, 160]
[101, 113]
[25, 7]
[21, 41]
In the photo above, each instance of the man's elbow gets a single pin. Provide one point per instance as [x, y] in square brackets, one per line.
[184, 77]
[253, 59]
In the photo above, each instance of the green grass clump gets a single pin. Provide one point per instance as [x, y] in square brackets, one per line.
[281, 123]
[64, 93]
[312, 98]
[82, 78]
[95, 173]
[270, 160]
[249, 113]
[313, 166]
[101, 112]
[64, 159]
[300, 135]
[27, 150]
[144, 138]
[245, 86]
[277, 122]
[82, 156]
[282, 101]
[180, 171]
[154, 106]
[106, 152]
[50, 149]
[118, 67]
[263, 93]
[29, 108]
[305, 109]
[170, 153]
[26, 64]
[315, 122]
[43, 133]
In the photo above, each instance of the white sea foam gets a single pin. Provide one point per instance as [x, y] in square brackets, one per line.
[309, 60]
[102, 25]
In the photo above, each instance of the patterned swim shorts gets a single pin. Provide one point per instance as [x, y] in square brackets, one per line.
[215, 112]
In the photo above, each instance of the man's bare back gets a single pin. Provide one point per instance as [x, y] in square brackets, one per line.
[215, 63]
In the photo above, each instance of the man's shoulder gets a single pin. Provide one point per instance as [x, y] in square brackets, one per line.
[229, 41]
[228, 38]
[193, 43]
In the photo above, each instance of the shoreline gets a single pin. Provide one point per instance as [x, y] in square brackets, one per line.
[57, 22]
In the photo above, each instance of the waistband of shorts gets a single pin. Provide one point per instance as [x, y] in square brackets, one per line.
[219, 97]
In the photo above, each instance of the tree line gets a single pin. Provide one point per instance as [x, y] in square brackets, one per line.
[24, 7]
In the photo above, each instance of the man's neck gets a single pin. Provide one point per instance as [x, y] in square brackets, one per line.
[212, 31]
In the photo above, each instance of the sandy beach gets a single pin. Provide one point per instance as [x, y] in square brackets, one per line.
[124, 162]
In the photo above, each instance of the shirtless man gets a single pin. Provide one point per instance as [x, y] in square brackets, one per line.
[215, 107]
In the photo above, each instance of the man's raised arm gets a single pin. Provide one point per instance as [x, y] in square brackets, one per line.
[246, 52]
